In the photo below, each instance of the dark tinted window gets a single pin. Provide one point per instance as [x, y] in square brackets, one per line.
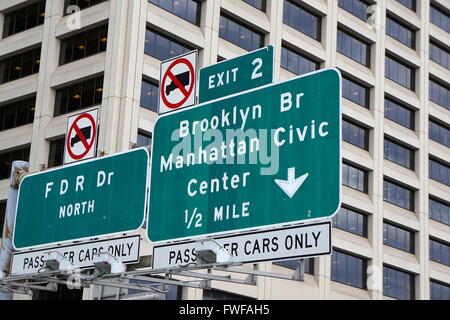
[410, 4]
[56, 154]
[24, 19]
[162, 47]
[20, 65]
[149, 96]
[399, 154]
[439, 93]
[439, 54]
[259, 4]
[351, 221]
[400, 32]
[354, 178]
[439, 211]
[440, 252]
[144, 140]
[79, 96]
[398, 113]
[239, 34]
[439, 171]
[440, 18]
[84, 44]
[439, 291]
[221, 295]
[398, 238]
[401, 73]
[355, 92]
[17, 114]
[294, 264]
[348, 269]
[296, 62]
[356, 7]
[81, 4]
[353, 48]
[398, 195]
[7, 158]
[439, 132]
[302, 19]
[398, 284]
[355, 134]
[188, 10]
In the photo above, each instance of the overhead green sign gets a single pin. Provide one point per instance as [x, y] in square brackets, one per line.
[87, 200]
[265, 158]
[245, 72]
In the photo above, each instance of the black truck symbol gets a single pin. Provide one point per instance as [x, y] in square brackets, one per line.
[86, 133]
[184, 78]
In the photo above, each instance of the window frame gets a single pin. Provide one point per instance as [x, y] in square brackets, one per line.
[397, 105]
[366, 103]
[241, 24]
[353, 37]
[365, 221]
[360, 128]
[439, 178]
[198, 13]
[29, 103]
[40, 19]
[405, 27]
[443, 245]
[410, 206]
[442, 203]
[311, 61]
[353, 12]
[408, 149]
[334, 271]
[365, 177]
[393, 243]
[67, 4]
[286, 21]
[412, 283]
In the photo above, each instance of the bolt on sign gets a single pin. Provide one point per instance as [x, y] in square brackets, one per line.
[81, 137]
[266, 158]
[177, 82]
[245, 72]
[81, 201]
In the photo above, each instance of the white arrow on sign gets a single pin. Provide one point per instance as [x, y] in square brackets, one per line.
[292, 184]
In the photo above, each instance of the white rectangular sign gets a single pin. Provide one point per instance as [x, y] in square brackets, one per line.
[124, 249]
[290, 243]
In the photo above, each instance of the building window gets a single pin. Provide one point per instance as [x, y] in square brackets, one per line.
[149, 95]
[296, 62]
[24, 19]
[355, 134]
[302, 20]
[293, 265]
[259, 4]
[398, 238]
[222, 295]
[56, 154]
[84, 44]
[401, 32]
[439, 171]
[439, 211]
[439, 93]
[7, 159]
[439, 132]
[354, 178]
[399, 72]
[439, 17]
[79, 96]
[357, 8]
[353, 48]
[188, 10]
[82, 4]
[355, 92]
[398, 195]
[2, 217]
[239, 34]
[351, 221]
[398, 284]
[439, 54]
[410, 4]
[440, 252]
[439, 291]
[348, 269]
[399, 154]
[20, 66]
[144, 139]
[162, 47]
[17, 114]
[399, 113]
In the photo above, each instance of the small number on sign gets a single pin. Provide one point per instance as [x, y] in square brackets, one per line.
[258, 62]
[309, 213]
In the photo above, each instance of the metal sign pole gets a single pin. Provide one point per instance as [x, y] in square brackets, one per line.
[19, 168]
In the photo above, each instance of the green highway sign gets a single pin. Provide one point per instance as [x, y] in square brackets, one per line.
[95, 198]
[245, 72]
[265, 158]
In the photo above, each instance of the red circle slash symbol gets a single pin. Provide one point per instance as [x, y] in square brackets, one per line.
[180, 86]
[81, 136]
